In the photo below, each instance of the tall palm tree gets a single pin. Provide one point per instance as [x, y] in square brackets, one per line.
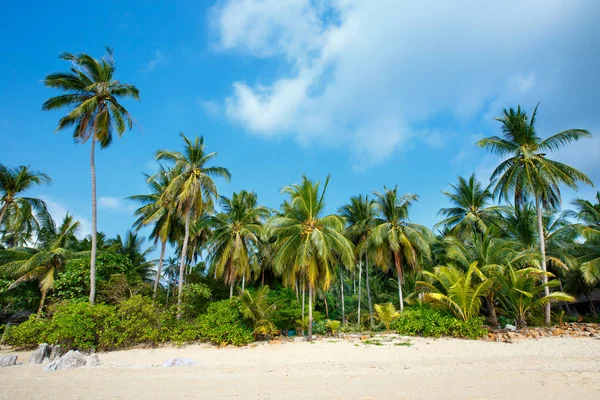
[157, 210]
[359, 216]
[133, 247]
[470, 211]
[193, 188]
[528, 173]
[309, 243]
[13, 182]
[92, 95]
[43, 263]
[237, 232]
[395, 239]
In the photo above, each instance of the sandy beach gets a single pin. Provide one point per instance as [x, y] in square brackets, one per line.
[549, 368]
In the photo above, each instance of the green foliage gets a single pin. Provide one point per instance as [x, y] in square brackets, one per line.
[195, 299]
[288, 310]
[425, 321]
[223, 322]
[333, 326]
[386, 314]
[259, 310]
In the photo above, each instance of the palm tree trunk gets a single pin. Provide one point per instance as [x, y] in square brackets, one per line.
[310, 316]
[186, 237]
[159, 269]
[297, 291]
[167, 301]
[493, 319]
[231, 288]
[359, 287]
[243, 282]
[42, 301]
[303, 292]
[538, 209]
[591, 303]
[369, 291]
[94, 224]
[326, 305]
[342, 292]
[262, 279]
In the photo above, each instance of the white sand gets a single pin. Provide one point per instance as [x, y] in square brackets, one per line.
[549, 368]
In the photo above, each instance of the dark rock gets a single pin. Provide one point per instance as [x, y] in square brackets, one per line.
[8, 360]
[39, 354]
[55, 352]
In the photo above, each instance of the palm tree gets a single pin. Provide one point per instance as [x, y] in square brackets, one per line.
[43, 263]
[91, 93]
[193, 188]
[386, 314]
[170, 274]
[470, 212]
[258, 308]
[589, 214]
[133, 247]
[395, 238]
[236, 236]
[360, 215]
[528, 173]
[157, 210]
[13, 182]
[308, 243]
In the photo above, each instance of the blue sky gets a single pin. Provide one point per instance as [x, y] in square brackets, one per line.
[372, 92]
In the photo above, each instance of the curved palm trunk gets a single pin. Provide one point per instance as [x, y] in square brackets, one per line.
[369, 291]
[42, 301]
[342, 292]
[94, 225]
[310, 316]
[326, 305]
[538, 209]
[182, 265]
[159, 269]
[359, 289]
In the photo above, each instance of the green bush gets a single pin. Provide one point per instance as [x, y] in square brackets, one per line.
[28, 334]
[223, 323]
[425, 321]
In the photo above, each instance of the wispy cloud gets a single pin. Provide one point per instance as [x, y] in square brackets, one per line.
[157, 60]
[114, 204]
[58, 211]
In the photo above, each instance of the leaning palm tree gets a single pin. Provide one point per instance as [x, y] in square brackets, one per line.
[44, 263]
[309, 243]
[157, 210]
[237, 232]
[394, 238]
[92, 95]
[13, 182]
[470, 211]
[528, 173]
[359, 216]
[193, 188]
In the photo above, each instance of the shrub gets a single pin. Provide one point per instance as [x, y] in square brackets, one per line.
[425, 321]
[223, 323]
[333, 326]
[28, 334]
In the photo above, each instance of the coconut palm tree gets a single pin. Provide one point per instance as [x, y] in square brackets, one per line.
[394, 238]
[236, 237]
[157, 210]
[386, 314]
[92, 95]
[170, 274]
[309, 243]
[193, 188]
[22, 210]
[589, 214]
[133, 247]
[43, 263]
[470, 211]
[359, 216]
[528, 173]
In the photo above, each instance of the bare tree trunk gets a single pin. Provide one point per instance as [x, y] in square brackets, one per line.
[493, 319]
[262, 279]
[326, 305]
[359, 290]
[538, 209]
[310, 313]
[231, 288]
[369, 290]
[400, 297]
[94, 225]
[297, 291]
[303, 292]
[243, 282]
[342, 292]
[42, 301]
[159, 269]
[186, 237]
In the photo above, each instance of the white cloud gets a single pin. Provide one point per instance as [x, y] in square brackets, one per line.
[114, 204]
[157, 59]
[211, 107]
[58, 212]
[361, 74]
